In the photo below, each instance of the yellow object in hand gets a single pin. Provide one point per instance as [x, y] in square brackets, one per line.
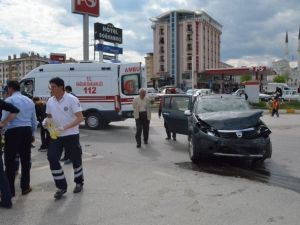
[54, 132]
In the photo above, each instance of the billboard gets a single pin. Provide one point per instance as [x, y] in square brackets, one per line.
[90, 7]
[109, 49]
[107, 32]
[58, 57]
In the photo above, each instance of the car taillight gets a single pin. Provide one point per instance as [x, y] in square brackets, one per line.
[117, 103]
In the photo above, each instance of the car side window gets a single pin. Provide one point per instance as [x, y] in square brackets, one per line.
[166, 102]
[180, 103]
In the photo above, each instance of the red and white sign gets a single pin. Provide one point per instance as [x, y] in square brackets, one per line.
[58, 57]
[90, 7]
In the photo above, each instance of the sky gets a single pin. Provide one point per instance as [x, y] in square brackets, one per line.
[253, 32]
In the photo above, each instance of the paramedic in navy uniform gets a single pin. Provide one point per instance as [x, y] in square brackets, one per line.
[66, 113]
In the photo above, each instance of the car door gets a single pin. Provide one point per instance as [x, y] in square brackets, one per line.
[173, 108]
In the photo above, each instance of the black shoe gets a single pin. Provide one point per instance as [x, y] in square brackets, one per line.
[174, 139]
[168, 138]
[5, 205]
[59, 193]
[27, 191]
[67, 161]
[138, 145]
[78, 188]
[42, 149]
[145, 142]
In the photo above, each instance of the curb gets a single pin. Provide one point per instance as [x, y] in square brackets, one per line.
[284, 111]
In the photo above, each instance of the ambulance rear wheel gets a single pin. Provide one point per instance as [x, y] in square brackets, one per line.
[93, 121]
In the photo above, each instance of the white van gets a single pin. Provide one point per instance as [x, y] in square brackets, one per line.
[270, 88]
[105, 90]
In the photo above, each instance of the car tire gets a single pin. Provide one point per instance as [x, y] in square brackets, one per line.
[94, 121]
[194, 153]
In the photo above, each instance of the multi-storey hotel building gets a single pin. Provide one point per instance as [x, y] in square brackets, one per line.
[184, 41]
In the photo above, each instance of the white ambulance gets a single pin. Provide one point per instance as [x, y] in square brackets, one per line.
[105, 90]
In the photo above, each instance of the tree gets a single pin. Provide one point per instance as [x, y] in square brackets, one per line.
[245, 77]
[280, 79]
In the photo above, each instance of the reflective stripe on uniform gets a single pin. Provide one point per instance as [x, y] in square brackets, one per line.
[78, 169]
[78, 174]
[62, 177]
[57, 171]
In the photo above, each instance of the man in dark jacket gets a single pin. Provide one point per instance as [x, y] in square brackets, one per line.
[40, 109]
[4, 185]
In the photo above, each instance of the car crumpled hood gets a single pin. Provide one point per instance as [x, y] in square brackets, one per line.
[231, 120]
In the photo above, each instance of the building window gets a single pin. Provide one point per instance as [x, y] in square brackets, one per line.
[162, 68]
[161, 31]
[161, 40]
[189, 37]
[189, 47]
[189, 28]
[189, 66]
[189, 57]
[162, 59]
[162, 49]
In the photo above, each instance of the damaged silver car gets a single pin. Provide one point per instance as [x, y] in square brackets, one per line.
[220, 125]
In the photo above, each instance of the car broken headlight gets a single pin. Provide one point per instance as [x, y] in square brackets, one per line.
[263, 130]
[207, 129]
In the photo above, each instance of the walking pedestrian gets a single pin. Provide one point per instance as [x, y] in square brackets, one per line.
[65, 112]
[142, 115]
[4, 184]
[19, 136]
[40, 109]
[66, 159]
[275, 106]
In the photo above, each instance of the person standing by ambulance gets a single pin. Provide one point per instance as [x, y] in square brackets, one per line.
[4, 185]
[142, 115]
[19, 135]
[65, 111]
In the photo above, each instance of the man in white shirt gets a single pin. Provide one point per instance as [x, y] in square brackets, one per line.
[142, 115]
[65, 112]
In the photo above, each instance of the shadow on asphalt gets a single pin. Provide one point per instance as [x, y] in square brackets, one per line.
[267, 172]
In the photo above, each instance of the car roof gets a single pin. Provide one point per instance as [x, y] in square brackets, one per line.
[218, 96]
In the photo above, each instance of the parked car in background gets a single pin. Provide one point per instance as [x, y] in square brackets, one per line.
[290, 95]
[192, 91]
[204, 91]
[152, 94]
[219, 125]
[265, 97]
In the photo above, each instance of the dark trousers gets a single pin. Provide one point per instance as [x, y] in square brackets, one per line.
[18, 140]
[45, 137]
[72, 146]
[142, 125]
[275, 111]
[169, 132]
[4, 185]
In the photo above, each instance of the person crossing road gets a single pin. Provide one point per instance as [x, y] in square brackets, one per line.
[65, 112]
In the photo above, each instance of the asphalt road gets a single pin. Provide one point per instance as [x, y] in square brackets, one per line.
[158, 185]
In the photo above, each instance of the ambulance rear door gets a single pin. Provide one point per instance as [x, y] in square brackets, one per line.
[129, 85]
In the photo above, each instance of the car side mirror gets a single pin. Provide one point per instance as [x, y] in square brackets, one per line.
[187, 113]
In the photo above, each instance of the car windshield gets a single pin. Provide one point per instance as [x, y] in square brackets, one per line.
[221, 104]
